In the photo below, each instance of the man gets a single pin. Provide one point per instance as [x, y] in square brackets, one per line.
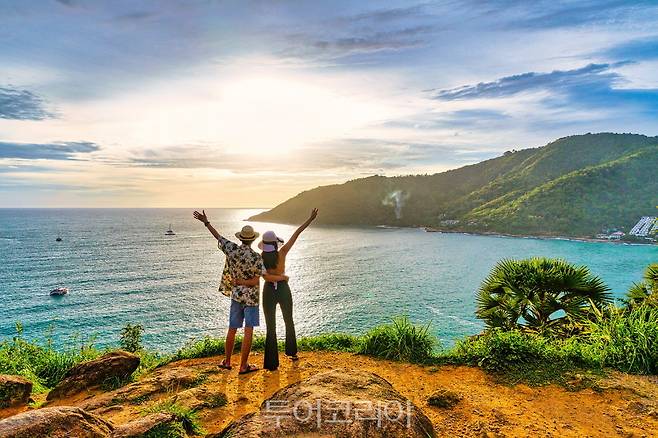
[242, 270]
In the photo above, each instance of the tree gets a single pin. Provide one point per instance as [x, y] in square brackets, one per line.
[538, 294]
[645, 292]
[131, 337]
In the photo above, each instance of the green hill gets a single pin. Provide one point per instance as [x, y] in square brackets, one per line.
[573, 186]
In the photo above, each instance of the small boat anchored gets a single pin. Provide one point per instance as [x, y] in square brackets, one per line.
[58, 292]
[170, 232]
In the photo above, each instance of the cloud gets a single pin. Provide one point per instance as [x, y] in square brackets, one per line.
[636, 50]
[69, 150]
[385, 15]
[556, 80]
[19, 104]
[550, 14]
[357, 42]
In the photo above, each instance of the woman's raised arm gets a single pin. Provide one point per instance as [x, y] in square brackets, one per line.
[288, 245]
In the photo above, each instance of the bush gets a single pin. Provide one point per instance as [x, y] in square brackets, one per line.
[131, 338]
[627, 341]
[329, 342]
[499, 350]
[42, 364]
[400, 340]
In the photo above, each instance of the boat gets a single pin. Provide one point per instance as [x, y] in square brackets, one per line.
[59, 291]
[170, 232]
[59, 239]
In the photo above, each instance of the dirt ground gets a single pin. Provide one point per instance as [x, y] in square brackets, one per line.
[622, 405]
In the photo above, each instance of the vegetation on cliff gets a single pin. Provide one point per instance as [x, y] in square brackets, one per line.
[574, 186]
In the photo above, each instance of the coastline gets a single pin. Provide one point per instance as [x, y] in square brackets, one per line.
[532, 236]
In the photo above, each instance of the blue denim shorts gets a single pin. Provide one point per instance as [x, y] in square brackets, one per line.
[241, 313]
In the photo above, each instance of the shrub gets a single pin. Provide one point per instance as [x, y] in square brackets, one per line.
[645, 292]
[131, 337]
[538, 294]
[400, 340]
[627, 341]
[329, 342]
[42, 364]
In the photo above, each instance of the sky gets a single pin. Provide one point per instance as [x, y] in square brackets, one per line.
[246, 103]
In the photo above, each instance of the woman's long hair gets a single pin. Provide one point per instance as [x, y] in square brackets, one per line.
[271, 259]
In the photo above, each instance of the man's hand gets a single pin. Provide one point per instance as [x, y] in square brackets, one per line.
[201, 216]
[314, 214]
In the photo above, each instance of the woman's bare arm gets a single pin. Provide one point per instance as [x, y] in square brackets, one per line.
[288, 245]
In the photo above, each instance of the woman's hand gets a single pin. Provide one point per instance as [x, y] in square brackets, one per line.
[201, 216]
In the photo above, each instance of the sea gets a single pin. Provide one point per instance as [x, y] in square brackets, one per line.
[121, 268]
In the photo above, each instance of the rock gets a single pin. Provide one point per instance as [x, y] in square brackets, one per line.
[163, 380]
[338, 403]
[14, 391]
[156, 424]
[55, 422]
[200, 398]
[444, 398]
[117, 364]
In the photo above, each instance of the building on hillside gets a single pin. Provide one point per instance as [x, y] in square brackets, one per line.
[616, 235]
[645, 226]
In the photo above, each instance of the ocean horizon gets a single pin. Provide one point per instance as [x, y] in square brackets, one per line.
[121, 268]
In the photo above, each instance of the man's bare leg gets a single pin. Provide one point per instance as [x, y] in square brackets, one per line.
[246, 348]
[228, 346]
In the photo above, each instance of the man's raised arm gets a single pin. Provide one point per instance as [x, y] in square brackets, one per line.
[204, 218]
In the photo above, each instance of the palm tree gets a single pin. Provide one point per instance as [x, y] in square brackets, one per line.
[645, 292]
[538, 294]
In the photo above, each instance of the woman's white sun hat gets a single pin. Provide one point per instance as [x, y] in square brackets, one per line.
[269, 242]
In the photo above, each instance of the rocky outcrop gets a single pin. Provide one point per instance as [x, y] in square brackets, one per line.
[55, 422]
[162, 381]
[117, 364]
[152, 424]
[14, 391]
[444, 398]
[200, 398]
[335, 403]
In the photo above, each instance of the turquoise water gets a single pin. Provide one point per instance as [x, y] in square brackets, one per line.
[120, 268]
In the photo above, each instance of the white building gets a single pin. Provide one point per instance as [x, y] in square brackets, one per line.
[645, 226]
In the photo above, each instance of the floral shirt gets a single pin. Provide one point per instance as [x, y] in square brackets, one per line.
[243, 263]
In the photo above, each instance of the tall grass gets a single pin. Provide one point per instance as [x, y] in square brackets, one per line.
[624, 340]
[42, 363]
[400, 340]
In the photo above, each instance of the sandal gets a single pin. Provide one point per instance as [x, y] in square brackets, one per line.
[294, 358]
[250, 369]
[224, 366]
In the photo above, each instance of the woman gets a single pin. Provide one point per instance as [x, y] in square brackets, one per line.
[278, 292]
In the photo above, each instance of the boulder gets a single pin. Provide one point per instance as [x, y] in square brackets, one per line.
[338, 403]
[55, 422]
[117, 364]
[14, 391]
[163, 380]
[155, 424]
[444, 398]
[200, 398]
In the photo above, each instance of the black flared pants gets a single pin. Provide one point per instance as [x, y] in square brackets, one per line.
[271, 297]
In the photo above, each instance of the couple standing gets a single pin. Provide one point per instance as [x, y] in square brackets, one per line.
[241, 282]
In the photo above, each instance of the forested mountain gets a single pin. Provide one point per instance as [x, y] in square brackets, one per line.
[573, 186]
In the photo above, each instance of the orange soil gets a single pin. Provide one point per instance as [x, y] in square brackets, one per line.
[627, 406]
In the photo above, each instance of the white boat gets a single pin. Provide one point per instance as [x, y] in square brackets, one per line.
[170, 232]
[59, 291]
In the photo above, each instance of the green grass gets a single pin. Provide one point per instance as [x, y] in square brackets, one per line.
[621, 339]
[42, 363]
[185, 417]
[626, 340]
[399, 340]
